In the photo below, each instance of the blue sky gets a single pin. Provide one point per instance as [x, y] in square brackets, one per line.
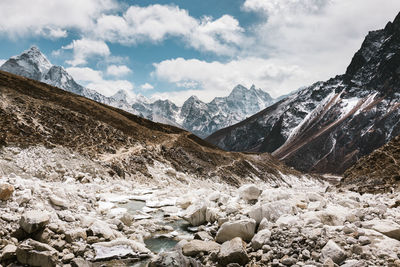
[174, 49]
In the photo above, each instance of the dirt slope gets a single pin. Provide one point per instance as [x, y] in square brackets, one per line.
[377, 172]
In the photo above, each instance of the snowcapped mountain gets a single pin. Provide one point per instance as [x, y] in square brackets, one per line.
[327, 126]
[195, 116]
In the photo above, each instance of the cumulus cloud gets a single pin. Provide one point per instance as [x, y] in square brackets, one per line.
[23, 17]
[86, 48]
[118, 70]
[154, 23]
[94, 79]
[218, 79]
[319, 36]
[146, 87]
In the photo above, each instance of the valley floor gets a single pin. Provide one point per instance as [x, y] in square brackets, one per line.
[64, 209]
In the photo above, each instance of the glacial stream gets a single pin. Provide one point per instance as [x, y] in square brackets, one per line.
[162, 241]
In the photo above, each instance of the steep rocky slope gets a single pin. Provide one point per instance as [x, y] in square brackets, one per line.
[195, 116]
[328, 126]
[376, 172]
[33, 113]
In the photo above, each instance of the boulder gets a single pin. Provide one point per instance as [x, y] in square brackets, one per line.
[249, 192]
[55, 200]
[211, 215]
[386, 227]
[233, 251]
[34, 220]
[8, 252]
[264, 224]
[6, 191]
[287, 220]
[24, 197]
[196, 214]
[75, 235]
[203, 235]
[34, 253]
[119, 248]
[272, 211]
[260, 239]
[101, 229]
[243, 228]
[333, 251]
[194, 247]
[79, 262]
[173, 259]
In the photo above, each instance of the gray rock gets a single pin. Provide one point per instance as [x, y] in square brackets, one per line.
[173, 259]
[364, 240]
[99, 228]
[79, 262]
[203, 235]
[333, 251]
[260, 239]
[249, 192]
[34, 220]
[194, 247]
[75, 235]
[288, 261]
[233, 251]
[8, 252]
[34, 253]
[196, 214]
[386, 227]
[243, 228]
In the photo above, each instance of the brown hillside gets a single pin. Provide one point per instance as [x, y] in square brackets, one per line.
[33, 113]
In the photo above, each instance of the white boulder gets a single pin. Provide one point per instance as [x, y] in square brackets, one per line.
[243, 228]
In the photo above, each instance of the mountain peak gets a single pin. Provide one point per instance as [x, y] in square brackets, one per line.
[31, 64]
[239, 88]
[121, 95]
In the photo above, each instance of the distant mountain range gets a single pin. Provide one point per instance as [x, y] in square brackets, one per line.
[328, 126]
[196, 116]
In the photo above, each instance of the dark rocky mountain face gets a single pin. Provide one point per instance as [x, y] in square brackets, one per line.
[34, 113]
[328, 126]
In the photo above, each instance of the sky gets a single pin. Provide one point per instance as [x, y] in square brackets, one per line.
[175, 49]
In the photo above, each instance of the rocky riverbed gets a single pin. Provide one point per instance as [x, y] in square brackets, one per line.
[63, 210]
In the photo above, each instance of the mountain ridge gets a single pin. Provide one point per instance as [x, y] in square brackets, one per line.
[329, 125]
[218, 113]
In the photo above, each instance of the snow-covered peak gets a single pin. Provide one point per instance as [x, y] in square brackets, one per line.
[31, 63]
[121, 95]
[35, 56]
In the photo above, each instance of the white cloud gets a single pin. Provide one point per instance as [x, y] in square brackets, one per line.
[319, 36]
[94, 79]
[154, 23]
[50, 19]
[86, 48]
[146, 87]
[211, 79]
[118, 71]
[2, 61]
